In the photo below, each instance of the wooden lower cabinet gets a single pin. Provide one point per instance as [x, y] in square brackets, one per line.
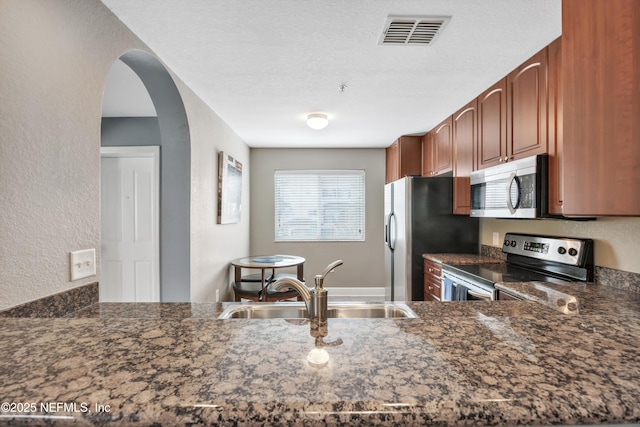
[432, 281]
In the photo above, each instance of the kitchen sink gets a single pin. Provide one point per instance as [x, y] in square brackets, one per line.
[295, 310]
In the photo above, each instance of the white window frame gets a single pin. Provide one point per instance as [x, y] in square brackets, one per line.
[283, 233]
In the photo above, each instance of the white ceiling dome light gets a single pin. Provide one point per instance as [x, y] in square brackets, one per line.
[317, 121]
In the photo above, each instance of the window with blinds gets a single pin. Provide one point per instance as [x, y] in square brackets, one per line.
[319, 205]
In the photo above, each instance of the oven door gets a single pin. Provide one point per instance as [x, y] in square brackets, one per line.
[455, 288]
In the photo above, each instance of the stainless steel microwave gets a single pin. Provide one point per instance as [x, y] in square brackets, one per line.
[517, 189]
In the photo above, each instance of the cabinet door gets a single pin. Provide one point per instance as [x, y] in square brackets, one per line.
[443, 142]
[601, 106]
[432, 281]
[555, 127]
[409, 155]
[428, 155]
[404, 157]
[465, 131]
[392, 162]
[492, 126]
[527, 108]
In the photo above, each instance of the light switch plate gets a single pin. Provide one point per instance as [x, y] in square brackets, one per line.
[496, 238]
[83, 263]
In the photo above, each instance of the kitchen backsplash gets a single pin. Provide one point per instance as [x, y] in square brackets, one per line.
[57, 305]
[618, 279]
[493, 252]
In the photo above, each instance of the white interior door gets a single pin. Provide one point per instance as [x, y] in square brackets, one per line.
[130, 252]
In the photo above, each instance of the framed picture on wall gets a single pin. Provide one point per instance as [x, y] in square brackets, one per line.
[229, 189]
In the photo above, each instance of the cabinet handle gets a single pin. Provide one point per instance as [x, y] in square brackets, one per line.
[506, 158]
[430, 270]
[500, 160]
[430, 288]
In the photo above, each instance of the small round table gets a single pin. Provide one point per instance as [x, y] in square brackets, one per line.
[267, 262]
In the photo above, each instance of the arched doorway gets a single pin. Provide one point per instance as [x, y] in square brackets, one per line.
[175, 169]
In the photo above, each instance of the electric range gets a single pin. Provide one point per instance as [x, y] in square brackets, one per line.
[530, 258]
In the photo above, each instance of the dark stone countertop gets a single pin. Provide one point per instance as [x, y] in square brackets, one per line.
[460, 363]
[447, 258]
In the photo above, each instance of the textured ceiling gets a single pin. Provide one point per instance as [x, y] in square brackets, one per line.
[263, 65]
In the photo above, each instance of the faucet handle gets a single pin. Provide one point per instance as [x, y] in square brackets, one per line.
[320, 277]
[330, 267]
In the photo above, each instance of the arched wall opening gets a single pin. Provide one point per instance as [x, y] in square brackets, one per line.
[171, 131]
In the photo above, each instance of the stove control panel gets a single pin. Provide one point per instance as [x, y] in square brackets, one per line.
[558, 249]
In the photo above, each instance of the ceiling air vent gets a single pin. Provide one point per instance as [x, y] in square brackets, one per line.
[413, 30]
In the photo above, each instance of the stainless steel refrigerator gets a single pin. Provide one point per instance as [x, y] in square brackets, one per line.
[418, 218]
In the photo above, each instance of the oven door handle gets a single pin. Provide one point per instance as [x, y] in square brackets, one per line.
[479, 296]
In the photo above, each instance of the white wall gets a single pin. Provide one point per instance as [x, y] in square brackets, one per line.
[363, 261]
[55, 56]
[616, 239]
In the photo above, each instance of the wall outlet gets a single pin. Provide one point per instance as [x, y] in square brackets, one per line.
[83, 263]
[496, 238]
[217, 295]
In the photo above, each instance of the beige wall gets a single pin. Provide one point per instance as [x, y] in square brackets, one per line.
[213, 245]
[616, 239]
[55, 57]
[363, 261]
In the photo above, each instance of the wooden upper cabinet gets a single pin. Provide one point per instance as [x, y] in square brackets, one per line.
[512, 115]
[492, 126]
[601, 107]
[554, 121]
[403, 157]
[392, 161]
[465, 132]
[443, 143]
[527, 108]
[428, 155]
[438, 149]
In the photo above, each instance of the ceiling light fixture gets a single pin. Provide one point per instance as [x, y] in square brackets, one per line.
[317, 121]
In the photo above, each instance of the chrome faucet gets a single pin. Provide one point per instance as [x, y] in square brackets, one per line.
[314, 299]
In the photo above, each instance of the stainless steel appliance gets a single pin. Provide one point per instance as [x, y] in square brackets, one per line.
[517, 189]
[418, 218]
[530, 258]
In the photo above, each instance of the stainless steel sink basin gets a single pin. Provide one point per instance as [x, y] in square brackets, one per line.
[295, 310]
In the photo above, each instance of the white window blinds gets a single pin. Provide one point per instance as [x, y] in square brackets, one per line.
[319, 205]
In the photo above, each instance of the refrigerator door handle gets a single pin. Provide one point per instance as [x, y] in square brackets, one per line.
[386, 230]
[392, 237]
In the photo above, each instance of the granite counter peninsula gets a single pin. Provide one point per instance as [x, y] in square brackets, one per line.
[481, 363]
